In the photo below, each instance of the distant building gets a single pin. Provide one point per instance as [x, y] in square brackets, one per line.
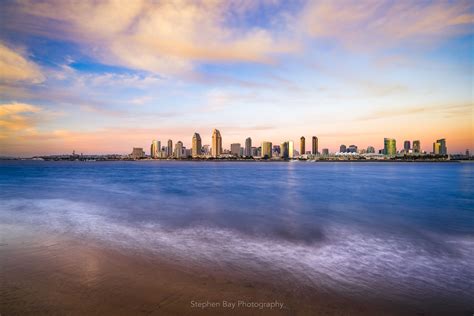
[406, 146]
[314, 146]
[266, 149]
[253, 152]
[439, 147]
[416, 147]
[342, 149]
[178, 150]
[169, 154]
[370, 150]
[248, 147]
[241, 154]
[467, 153]
[216, 143]
[206, 150]
[325, 152]
[352, 149]
[389, 147]
[276, 150]
[291, 149]
[284, 150]
[154, 149]
[197, 145]
[137, 153]
[235, 149]
[302, 145]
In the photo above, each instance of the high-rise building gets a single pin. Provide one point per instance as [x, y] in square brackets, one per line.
[276, 150]
[154, 149]
[137, 153]
[266, 149]
[248, 147]
[441, 143]
[416, 147]
[206, 150]
[352, 149]
[302, 145]
[216, 143]
[342, 149]
[389, 146]
[235, 149]
[169, 153]
[197, 145]
[314, 147]
[370, 150]
[325, 152]
[253, 152]
[291, 149]
[284, 150]
[178, 150]
[406, 146]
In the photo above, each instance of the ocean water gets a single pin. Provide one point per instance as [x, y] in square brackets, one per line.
[399, 231]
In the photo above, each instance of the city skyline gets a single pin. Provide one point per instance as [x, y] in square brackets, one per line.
[103, 76]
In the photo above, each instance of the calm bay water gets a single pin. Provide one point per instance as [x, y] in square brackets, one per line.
[402, 231]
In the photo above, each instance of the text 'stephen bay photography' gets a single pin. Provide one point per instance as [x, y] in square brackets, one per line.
[237, 157]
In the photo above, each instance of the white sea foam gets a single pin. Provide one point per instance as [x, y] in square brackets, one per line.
[349, 260]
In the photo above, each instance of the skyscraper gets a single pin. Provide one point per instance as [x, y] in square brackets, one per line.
[416, 147]
[196, 148]
[169, 153]
[248, 147]
[302, 145]
[439, 147]
[291, 149]
[389, 146]
[154, 149]
[216, 143]
[314, 147]
[266, 149]
[406, 146]
[178, 150]
[235, 149]
[342, 149]
[284, 150]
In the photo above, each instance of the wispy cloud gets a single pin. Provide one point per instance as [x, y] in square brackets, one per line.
[16, 68]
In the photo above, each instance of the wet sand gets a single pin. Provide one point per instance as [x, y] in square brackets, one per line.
[61, 276]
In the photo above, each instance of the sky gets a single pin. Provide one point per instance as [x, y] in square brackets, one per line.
[102, 77]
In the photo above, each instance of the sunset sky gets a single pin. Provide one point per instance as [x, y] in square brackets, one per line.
[106, 76]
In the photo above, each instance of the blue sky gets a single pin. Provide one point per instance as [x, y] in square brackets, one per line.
[103, 77]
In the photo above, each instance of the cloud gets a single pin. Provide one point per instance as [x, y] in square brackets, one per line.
[15, 68]
[163, 37]
[371, 24]
[16, 117]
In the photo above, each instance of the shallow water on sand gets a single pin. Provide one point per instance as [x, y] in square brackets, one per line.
[402, 232]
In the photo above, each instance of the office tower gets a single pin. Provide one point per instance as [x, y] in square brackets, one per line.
[370, 150]
[248, 147]
[314, 147]
[169, 149]
[416, 147]
[342, 149]
[253, 152]
[352, 149]
[206, 150]
[178, 150]
[443, 150]
[137, 153]
[291, 149]
[284, 150]
[196, 148]
[406, 146]
[389, 146]
[302, 145]
[325, 152]
[241, 154]
[266, 149]
[154, 149]
[216, 143]
[276, 150]
[436, 148]
[235, 149]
